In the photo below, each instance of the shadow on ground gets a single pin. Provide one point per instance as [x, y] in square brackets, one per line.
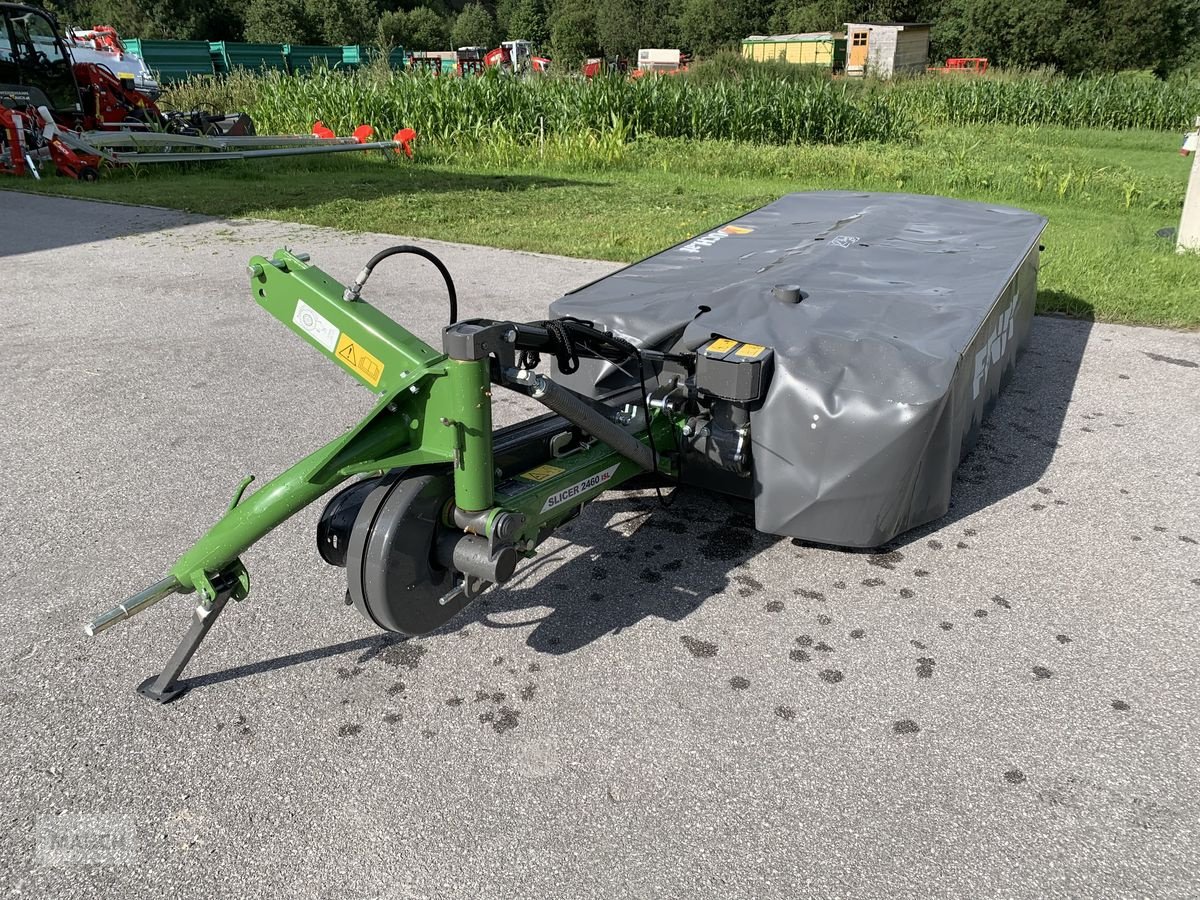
[630, 558]
[199, 193]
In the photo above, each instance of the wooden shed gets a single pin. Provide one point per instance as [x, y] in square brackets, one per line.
[814, 48]
[885, 49]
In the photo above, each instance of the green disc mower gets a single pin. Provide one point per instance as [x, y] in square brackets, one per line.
[766, 359]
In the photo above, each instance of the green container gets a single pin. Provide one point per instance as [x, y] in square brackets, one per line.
[353, 56]
[301, 57]
[255, 57]
[172, 60]
[396, 57]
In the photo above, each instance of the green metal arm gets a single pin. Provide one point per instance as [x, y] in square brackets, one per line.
[431, 409]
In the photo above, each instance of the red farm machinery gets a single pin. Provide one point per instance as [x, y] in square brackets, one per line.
[78, 116]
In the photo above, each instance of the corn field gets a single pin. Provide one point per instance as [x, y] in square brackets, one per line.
[756, 110]
[1107, 101]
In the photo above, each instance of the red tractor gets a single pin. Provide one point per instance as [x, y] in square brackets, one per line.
[79, 115]
[39, 80]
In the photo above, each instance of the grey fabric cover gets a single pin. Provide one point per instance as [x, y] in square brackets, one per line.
[914, 309]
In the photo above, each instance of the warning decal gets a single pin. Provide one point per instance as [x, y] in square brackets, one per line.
[542, 473]
[358, 360]
[721, 345]
[750, 350]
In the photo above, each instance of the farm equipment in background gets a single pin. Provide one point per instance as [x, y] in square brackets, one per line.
[810, 357]
[596, 66]
[961, 65]
[79, 116]
[102, 46]
[660, 62]
[517, 56]
[471, 60]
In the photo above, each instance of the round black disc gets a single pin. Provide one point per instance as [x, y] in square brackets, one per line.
[393, 577]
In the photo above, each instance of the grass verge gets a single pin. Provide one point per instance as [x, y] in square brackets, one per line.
[1105, 193]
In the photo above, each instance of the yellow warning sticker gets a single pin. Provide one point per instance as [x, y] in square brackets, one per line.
[358, 360]
[542, 473]
[750, 350]
[737, 229]
[722, 345]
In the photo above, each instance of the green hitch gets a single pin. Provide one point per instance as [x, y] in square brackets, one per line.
[471, 397]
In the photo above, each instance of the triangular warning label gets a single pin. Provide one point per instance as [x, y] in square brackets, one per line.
[347, 353]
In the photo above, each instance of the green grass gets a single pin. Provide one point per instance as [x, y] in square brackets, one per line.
[1104, 192]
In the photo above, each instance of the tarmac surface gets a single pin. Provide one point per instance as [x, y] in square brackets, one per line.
[665, 703]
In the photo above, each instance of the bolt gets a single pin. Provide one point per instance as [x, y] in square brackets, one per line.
[687, 431]
[510, 336]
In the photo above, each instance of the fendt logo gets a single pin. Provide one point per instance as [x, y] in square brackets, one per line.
[996, 346]
[713, 236]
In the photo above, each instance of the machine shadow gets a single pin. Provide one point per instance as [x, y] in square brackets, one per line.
[629, 558]
[1020, 435]
[640, 559]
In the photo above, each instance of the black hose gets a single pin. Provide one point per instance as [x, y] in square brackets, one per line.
[355, 289]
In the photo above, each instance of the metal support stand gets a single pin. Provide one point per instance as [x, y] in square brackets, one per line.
[164, 687]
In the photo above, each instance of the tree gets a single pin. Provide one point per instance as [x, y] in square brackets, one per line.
[284, 21]
[1148, 34]
[617, 27]
[420, 29]
[428, 30]
[474, 27]
[528, 22]
[572, 34]
[345, 21]
[167, 19]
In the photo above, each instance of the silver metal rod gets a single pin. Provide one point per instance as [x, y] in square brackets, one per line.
[217, 155]
[133, 605]
[162, 139]
[580, 411]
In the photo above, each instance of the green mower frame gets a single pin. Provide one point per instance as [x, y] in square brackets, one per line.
[433, 417]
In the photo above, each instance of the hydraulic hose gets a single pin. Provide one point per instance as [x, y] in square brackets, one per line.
[351, 294]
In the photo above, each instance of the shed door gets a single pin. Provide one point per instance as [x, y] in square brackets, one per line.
[858, 49]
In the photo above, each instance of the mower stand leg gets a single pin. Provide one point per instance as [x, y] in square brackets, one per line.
[163, 688]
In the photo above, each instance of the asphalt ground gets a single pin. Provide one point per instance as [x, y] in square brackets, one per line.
[664, 704]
